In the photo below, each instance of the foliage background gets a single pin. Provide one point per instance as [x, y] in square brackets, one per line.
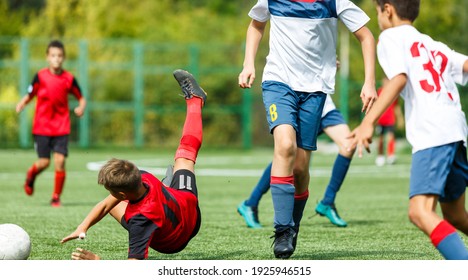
[207, 22]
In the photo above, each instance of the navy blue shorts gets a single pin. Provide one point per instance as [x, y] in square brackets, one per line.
[44, 145]
[301, 110]
[332, 118]
[441, 170]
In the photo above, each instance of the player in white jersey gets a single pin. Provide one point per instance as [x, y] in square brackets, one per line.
[426, 73]
[299, 72]
[334, 126]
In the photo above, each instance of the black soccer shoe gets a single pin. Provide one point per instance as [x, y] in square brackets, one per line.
[189, 85]
[283, 244]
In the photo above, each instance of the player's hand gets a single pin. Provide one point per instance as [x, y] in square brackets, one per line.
[368, 97]
[81, 254]
[79, 111]
[361, 137]
[74, 235]
[19, 107]
[247, 77]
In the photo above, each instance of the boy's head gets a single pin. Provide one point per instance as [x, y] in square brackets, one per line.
[55, 55]
[406, 10]
[119, 175]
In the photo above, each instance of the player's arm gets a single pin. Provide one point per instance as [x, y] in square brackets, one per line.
[362, 135]
[465, 66]
[254, 36]
[79, 111]
[76, 91]
[140, 231]
[32, 90]
[85, 255]
[23, 102]
[368, 93]
[97, 213]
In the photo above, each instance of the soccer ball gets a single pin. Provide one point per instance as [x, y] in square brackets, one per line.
[14, 242]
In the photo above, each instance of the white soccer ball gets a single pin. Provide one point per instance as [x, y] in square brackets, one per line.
[14, 242]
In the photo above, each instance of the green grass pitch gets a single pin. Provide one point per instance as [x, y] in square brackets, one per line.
[373, 200]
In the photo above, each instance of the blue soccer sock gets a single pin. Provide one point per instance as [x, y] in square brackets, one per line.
[446, 239]
[260, 189]
[300, 201]
[340, 169]
[282, 193]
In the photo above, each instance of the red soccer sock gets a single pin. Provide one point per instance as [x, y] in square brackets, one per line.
[442, 230]
[192, 133]
[302, 196]
[59, 182]
[391, 147]
[31, 174]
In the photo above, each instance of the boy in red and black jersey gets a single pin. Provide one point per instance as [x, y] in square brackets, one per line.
[51, 125]
[156, 216]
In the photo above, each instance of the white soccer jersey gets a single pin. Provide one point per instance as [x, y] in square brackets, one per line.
[433, 111]
[328, 106]
[303, 38]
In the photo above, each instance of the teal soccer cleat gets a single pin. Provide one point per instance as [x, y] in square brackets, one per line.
[250, 215]
[331, 213]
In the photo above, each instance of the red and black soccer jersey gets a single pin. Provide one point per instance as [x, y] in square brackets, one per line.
[164, 219]
[52, 117]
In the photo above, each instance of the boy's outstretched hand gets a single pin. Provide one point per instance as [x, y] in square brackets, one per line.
[361, 137]
[78, 233]
[82, 254]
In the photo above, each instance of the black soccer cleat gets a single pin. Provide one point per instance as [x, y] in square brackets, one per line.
[283, 246]
[189, 85]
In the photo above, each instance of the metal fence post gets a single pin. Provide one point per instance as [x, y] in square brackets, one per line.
[84, 84]
[24, 130]
[247, 119]
[138, 92]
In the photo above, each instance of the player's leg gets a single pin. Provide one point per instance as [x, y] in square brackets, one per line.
[310, 111]
[248, 209]
[380, 159]
[453, 202]
[281, 106]
[442, 234]
[455, 213]
[301, 183]
[43, 149]
[282, 189]
[60, 147]
[391, 158]
[326, 207]
[436, 174]
[192, 132]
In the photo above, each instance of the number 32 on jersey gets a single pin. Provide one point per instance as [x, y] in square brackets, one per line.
[434, 63]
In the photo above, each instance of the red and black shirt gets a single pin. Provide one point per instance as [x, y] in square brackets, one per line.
[52, 117]
[163, 219]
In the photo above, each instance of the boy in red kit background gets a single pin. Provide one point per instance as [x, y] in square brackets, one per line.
[51, 125]
[156, 216]
[386, 131]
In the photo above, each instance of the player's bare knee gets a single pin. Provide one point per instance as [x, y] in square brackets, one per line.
[43, 163]
[415, 215]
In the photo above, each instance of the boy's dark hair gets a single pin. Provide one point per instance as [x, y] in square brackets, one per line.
[56, 44]
[120, 175]
[406, 9]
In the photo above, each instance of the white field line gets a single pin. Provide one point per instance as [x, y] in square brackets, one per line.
[399, 171]
[158, 168]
